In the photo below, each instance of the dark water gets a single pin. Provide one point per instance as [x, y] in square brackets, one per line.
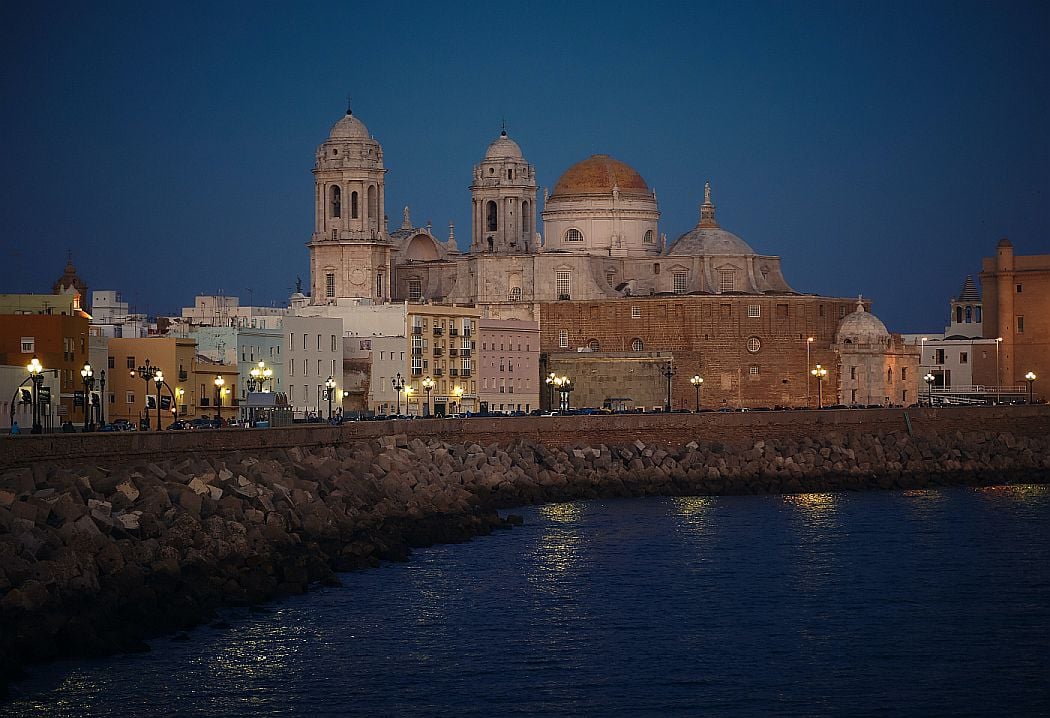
[913, 603]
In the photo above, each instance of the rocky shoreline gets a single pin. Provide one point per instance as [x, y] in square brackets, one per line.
[96, 560]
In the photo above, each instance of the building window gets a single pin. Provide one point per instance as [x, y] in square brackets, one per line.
[129, 397]
[853, 372]
[353, 205]
[978, 313]
[964, 358]
[593, 345]
[648, 236]
[491, 221]
[938, 356]
[515, 294]
[333, 342]
[131, 362]
[28, 345]
[574, 235]
[563, 338]
[753, 370]
[636, 312]
[680, 279]
[564, 284]
[842, 311]
[754, 310]
[754, 344]
[1020, 325]
[329, 284]
[415, 290]
[636, 345]
[335, 197]
[726, 280]
[379, 284]
[1018, 288]
[904, 373]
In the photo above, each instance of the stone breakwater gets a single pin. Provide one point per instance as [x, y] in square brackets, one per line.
[95, 560]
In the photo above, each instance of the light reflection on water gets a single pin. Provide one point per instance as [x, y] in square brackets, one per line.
[852, 604]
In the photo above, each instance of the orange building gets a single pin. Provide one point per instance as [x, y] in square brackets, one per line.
[1016, 294]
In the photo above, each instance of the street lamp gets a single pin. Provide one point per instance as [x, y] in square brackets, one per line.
[697, 381]
[457, 391]
[146, 373]
[258, 375]
[1030, 378]
[819, 373]
[398, 383]
[668, 372]
[428, 385]
[159, 379]
[329, 386]
[219, 381]
[929, 379]
[550, 389]
[89, 383]
[179, 393]
[997, 381]
[102, 398]
[564, 386]
[809, 341]
[36, 373]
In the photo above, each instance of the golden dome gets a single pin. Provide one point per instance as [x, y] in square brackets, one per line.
[598, 174]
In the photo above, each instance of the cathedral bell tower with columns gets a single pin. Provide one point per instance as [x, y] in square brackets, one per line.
[350, 250]
[504, 201]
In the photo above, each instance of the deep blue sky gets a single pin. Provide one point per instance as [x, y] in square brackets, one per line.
[879, 148]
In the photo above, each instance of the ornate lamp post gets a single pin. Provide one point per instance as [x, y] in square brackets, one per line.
[146, 373]
[697, 381]
[329, 385]
[398, 382]
[428, 385]
[88, 375]
[219, 381]
[549, 380]
[929, 379]
[36, 373]
[819, 373]
[458, 393]
[564, 386]
[102, 398]
[258, 376]
[159, 379]
[1030, 378]
[668, 372]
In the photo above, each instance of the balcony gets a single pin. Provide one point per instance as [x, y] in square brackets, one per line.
[417, 351]
[467, 332]
[417, 331]
[438, 351]
[438, 331]
[453, 332]
[183, 375]
[438, 371]
[417, 371]
[563, 297]
[463, 372]
[453, 352]
[453, 372]
[464, 352]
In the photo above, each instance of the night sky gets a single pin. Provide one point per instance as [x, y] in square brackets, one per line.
[880, 148]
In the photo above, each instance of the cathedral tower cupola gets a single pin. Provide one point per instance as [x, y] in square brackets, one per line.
[504, 200]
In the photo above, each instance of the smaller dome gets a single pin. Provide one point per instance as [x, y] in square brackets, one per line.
[503, 148]
[861, 327]
[349, 127]
[598, 174]
[706, 241]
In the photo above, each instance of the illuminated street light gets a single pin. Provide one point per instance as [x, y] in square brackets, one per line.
[146, 373]
[329, 385]
[88, 375]
[219, 381]
[819, 373]
[428, 385]
[1030, 378]
[697, 381]
[929, 379]
[36, 373]
[809, 341]
[549, 381]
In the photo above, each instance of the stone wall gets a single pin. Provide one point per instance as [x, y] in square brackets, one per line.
[101, 548]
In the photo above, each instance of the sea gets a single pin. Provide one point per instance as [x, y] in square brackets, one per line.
[908, 603]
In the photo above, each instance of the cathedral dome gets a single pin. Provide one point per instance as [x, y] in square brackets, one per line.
[861, 327]
[349, 127]
[707, 238]
[503, 148]
[598, 174]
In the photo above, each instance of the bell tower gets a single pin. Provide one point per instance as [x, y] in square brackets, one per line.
[504, 201]
[350, 248]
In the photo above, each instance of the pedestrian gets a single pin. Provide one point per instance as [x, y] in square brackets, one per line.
[14, 428]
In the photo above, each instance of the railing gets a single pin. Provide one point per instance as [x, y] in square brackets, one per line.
[464, 372]
[453, 372]
[438, 372]
[464, 352]
[183, 375]
[453, 332]
[453, 352]
[417, 330]
[438, 351]
[417, 351]
[438, 331]
[417, 371]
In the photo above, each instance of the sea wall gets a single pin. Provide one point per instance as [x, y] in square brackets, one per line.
[96, 555]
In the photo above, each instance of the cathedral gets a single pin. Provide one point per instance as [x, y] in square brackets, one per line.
[599, 254]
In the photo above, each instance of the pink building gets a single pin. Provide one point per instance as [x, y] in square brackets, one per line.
[508, 365]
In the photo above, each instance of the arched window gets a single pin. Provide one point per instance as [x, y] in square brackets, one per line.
[889, 375]
[969, 314]
[373, 206]
[648, 238]
[525, 219]
[593, 345]
[563, 338]
[353, 205]
[636, 345]
[958, 315]
[491, 220]
[978, 313]
[574, 235]
[335, 203]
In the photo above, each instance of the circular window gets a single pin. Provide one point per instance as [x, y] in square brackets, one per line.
[574, 235]
[637, 345]
[753, 345]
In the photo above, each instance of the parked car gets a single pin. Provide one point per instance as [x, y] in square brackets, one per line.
[178, 425]
[122, 425]
[202, 423]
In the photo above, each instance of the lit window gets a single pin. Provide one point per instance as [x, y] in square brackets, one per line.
[727, 280]
[574, 235]
[754, 310]
[680, 279]
[636, 312]
[563, 338]
[753, 344]
[636, 345]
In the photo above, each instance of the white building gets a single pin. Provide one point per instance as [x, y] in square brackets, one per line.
[313, 352]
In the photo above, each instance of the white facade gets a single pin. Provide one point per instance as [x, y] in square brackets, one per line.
[388, 360]
[313, 351]
[260, 345]
[219, 310]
